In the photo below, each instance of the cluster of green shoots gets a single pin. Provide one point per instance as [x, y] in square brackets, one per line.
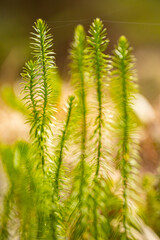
[79, 183]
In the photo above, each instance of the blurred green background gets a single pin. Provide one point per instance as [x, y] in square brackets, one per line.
[139, 20]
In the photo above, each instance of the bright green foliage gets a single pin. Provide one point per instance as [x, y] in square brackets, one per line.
[38, 76]
[30, 77]
[44, 57]
[123, 87]
[97, 61]
[78, 66]
[55, 191]
[19, 200]
[58, 177]
[60, 148]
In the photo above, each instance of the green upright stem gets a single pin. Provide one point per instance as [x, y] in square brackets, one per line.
[125, 150]
[83, 139]
[123, 92]
[45, 86]
[78, 64]
[99, 98]
[98, 62]
[60, 158]
[43, 56]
